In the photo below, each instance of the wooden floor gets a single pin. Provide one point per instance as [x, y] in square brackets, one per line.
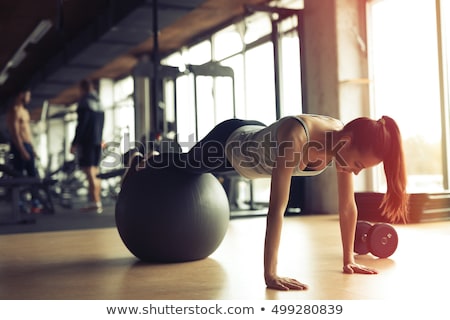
[94, 264]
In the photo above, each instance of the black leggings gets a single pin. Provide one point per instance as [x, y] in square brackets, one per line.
[207, 155]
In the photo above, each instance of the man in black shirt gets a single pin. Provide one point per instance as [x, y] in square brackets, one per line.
[88, 140]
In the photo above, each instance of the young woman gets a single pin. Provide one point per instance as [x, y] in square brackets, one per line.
[301, 145]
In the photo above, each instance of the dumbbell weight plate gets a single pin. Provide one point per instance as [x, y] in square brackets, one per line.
[382, 240]
[361, 234]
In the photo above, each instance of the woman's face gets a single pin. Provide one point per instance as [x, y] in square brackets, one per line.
[348, 159]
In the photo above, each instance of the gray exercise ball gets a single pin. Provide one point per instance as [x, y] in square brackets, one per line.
[168, 215]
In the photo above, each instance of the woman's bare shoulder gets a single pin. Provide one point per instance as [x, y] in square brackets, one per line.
[292, 130]
[322, 122]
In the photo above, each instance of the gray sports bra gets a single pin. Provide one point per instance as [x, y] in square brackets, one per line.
[252, 150]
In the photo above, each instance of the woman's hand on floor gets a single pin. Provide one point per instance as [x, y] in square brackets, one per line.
[280, 283]
[358, 268]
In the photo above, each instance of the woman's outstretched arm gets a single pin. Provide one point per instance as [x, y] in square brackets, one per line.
[348, 215]
[280, 185]
[287, 159]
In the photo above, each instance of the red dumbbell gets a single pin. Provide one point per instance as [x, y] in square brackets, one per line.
[379, 239]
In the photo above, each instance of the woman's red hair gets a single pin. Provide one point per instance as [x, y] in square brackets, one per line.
[382, 138]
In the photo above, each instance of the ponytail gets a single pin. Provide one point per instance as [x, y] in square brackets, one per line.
[395, 202]
[382, 139]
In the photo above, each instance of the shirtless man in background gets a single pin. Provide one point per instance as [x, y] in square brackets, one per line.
[18, 121]
[21, 147]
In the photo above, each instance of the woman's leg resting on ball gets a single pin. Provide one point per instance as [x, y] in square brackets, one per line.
[207, 155]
